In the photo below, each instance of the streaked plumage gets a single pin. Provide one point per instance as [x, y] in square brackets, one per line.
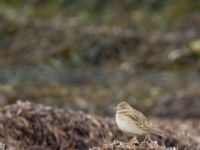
[131, 121]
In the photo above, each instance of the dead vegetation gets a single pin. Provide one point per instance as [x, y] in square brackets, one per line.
[117, 145]
[33, 126]
[28, 126]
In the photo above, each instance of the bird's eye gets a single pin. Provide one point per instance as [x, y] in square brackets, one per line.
[123, 107]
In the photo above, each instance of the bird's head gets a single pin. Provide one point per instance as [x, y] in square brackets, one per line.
[123, 106]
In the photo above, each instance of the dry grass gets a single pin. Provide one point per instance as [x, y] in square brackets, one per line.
[33, 126]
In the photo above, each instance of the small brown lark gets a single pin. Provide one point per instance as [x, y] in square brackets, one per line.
[131, 121]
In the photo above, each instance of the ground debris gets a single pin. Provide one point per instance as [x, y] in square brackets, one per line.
[25, 125]
[117, 145]
[33, 126]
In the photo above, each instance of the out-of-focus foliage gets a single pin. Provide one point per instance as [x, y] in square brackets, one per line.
[142, 50]
[102, 11]
[79, 30]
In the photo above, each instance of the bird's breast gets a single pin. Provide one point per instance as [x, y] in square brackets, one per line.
[127, 125]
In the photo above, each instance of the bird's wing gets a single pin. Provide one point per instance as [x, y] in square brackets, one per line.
[138, 117]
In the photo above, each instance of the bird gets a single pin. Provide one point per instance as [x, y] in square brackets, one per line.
[133, 122]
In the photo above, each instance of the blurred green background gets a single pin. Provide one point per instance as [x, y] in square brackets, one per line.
[92, 54]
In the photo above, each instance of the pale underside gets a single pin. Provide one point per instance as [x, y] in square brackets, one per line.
[128, 125]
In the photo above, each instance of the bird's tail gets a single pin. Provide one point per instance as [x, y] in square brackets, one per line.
[157, 132]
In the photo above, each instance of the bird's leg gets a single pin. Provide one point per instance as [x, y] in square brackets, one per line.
[147, 138]
[133, 141]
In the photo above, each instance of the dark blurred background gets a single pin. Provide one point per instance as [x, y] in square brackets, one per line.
[92, 54]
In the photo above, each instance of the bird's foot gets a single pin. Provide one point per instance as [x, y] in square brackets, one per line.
[147, 139]
[133, 141]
